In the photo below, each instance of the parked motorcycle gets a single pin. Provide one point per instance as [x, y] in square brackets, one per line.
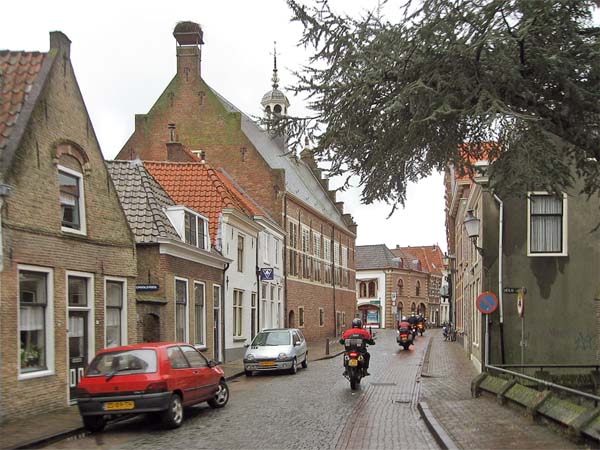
[354, 363]
[405, 338]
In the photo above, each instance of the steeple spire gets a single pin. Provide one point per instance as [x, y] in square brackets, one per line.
[275, 78]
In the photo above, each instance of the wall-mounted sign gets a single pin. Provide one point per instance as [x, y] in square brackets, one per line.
[147, 287]
[266, 273]
[393, 296]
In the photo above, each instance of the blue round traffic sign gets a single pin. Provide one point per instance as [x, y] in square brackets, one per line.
[486, 302]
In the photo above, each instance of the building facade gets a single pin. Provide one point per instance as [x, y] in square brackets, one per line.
[531, 241]
[68, 256]
[318, 265]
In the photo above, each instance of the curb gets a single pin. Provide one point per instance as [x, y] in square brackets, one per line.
[39, 442]
[437, 431]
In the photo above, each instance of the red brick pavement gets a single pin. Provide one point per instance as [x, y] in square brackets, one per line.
[477, 423]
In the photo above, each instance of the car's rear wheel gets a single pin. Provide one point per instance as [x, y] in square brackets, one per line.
[305, 362]
[94, 424]
[294, 368]
[221, 396]
[172, 417]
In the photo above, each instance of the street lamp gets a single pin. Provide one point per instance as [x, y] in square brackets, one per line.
[472, 225]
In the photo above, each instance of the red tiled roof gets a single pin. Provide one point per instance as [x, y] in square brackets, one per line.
[18, 71]
[199, 187]
[429, 255]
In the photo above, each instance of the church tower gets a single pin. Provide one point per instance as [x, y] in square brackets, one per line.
[275, 101]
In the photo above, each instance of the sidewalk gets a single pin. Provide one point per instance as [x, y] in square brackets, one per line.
[35, 430]
[476, 423]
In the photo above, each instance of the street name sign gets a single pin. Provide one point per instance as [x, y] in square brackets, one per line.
[486, 302]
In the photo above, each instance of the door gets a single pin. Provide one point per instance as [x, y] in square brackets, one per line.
[205, 381]
[217, 323]
[182, 375]
[78, 345]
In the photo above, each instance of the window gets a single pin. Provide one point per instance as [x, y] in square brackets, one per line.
[115, 323]
[240, 253]
[305, 253]
[345, 280]
[71, 200]
[372, 289]
[181, 300]
[321, 317]
[237, 313]
[317, 259]
[293, 244]
[277, 244]
[266, 245]
[301, 316]
[78, 291]
[547, 225]
[362, 288]
[194, 357]
[35, 321]
[199, 314]
[327, 257]
[279, 306]
[177, 359]
[253, 316]
[400, 286]
[263, 312]
[418, 288]
[195, 230]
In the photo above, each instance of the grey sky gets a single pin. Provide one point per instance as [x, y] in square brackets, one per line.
[124, 56]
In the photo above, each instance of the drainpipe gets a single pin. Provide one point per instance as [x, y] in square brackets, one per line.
[501, 309]
[335, 330]
[285, 267]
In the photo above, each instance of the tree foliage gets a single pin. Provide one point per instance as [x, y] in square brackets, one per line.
[513, 81]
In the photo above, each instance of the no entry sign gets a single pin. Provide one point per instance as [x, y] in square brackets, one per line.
[486, 302]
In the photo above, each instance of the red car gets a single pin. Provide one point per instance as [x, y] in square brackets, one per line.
[159, 378]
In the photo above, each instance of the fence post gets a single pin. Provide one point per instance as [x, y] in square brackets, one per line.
[327, 346]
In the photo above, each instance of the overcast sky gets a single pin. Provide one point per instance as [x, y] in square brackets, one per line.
[124, 56]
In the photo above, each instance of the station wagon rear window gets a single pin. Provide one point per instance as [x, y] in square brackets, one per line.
[123, 363]
[271, 338]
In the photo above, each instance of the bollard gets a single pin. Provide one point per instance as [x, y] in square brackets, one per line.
[327, 346]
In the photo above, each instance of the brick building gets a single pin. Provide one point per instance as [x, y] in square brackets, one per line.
[430, 258]
[388, 285]
[319, 247]
[180, 276]
[68, 255]
[242, 232]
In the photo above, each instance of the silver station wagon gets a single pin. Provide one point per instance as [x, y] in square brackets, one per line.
[276, 349]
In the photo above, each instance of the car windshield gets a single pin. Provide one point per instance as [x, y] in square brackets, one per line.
[123, 362]
[267, 338]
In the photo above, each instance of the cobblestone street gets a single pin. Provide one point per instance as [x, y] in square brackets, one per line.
[313, 409]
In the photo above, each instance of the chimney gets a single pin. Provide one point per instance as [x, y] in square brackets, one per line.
[175, 152]
[189, 39]
[203, 157]
[171, 127]
[59, 41]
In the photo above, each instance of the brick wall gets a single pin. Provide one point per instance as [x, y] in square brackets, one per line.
[32, 236]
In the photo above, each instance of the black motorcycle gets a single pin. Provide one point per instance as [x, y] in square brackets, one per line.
[354, 361]
[405, 338]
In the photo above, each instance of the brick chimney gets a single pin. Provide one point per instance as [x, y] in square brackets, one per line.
[189, 39]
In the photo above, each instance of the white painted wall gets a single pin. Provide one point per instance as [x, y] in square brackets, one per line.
[380, 276]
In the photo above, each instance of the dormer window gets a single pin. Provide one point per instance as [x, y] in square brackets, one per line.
[191, 226]
[195, 230]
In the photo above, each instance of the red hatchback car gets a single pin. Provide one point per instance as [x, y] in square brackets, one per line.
[160, 377]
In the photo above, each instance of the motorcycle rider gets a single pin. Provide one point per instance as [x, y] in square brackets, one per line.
[358, 329]
[412, 320]
[404, 323]
[421, 319]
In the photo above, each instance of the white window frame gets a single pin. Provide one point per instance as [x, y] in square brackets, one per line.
[327, 249]
[240, 258]
[344, 257]
[267, 246]
[277, 247]
[305, 236]
[186, 325]
[83, 229]
[123, 309]
[317, 245]
[238, 316]
[336, 253]
[201, 345]
[565, 234]
[48, 324]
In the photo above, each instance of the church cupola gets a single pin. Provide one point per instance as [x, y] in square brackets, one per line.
[275, 101]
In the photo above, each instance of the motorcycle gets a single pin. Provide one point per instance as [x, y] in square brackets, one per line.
[421, 328]
[404, 338]
[354, 363]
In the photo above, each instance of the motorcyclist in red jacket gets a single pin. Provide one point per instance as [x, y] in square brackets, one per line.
[358, 329]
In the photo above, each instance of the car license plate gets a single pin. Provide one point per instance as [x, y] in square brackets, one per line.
[114, 406]
[266, 363]
[353, 363]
